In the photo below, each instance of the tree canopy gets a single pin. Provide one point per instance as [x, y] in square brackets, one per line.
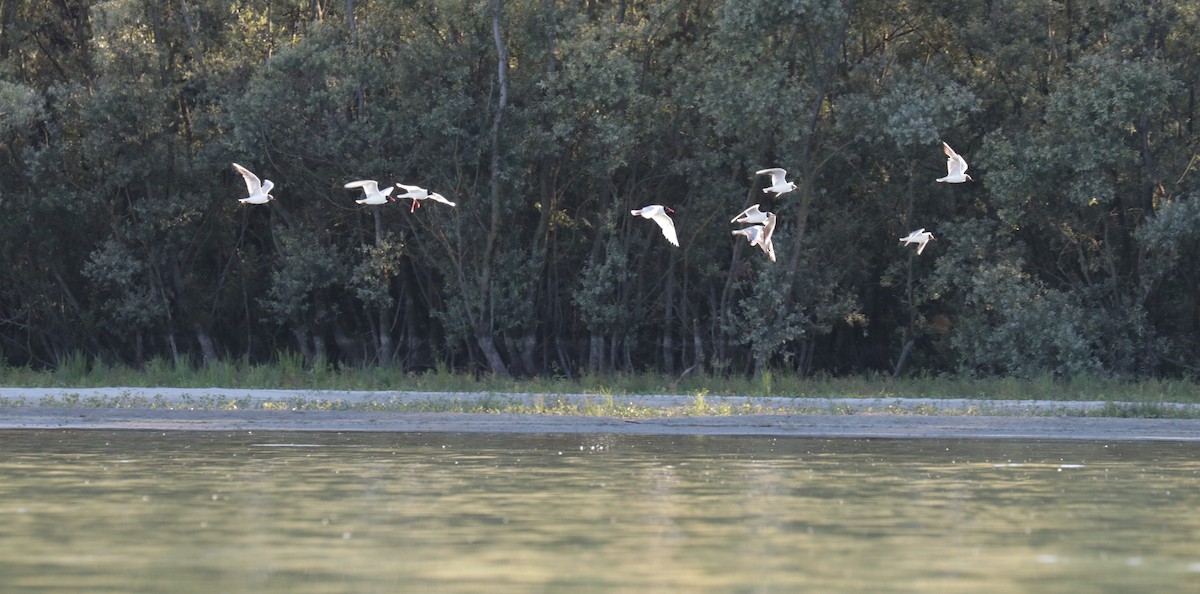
[547, 121]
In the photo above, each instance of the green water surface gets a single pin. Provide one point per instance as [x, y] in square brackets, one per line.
[139, 511]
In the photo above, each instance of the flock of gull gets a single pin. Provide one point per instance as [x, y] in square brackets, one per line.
[758, 227]
[260, 191]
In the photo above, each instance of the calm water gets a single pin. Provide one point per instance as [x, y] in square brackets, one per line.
[302, 512]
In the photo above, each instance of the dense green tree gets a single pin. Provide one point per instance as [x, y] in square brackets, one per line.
[546, 121]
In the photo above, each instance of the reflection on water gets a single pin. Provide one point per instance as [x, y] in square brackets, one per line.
[311, 512]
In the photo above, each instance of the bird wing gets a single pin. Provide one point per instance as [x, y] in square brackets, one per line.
[252, 183]
[921, 245]
[955, 164]
[912, 237]
[411, 188]
[769, 248]
[369, 186]
[751, 233]
[769, 229]
[267, 185]
[747, 214]
[668, 227]
[778, 176]
[440, 198]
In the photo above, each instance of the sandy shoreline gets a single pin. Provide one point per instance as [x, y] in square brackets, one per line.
[129, 408]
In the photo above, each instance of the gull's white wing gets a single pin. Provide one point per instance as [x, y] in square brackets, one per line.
[778, 176]
[955, 164]
[921, 246]
[252, 183]
[748, 215]
[369, 186]
[751, 233]
[668, 227]
[439, 198]
[267, 185]
[411, 188]
[769, 229]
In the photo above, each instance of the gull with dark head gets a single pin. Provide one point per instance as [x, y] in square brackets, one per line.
[371, 192]
[919, 237]
[779, 183]
[417, 193]
[956, 167]
[658, 214]
[260, 192]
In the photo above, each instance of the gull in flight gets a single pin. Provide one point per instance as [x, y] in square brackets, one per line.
[751, 216]
[371, 190]
[919, 237]
[658, 214]
[260, 192]
[779, 183]
[760, 235]
[956, 167]
[417, 193]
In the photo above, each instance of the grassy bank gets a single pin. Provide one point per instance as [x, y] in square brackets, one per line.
[289, 373]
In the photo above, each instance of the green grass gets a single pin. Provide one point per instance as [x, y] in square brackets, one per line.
[1142, 398]
[289, 373]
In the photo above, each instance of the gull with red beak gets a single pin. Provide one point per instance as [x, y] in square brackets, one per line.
[658, 214]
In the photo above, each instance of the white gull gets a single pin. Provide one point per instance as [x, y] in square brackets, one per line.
[658, 214]
[260, 192]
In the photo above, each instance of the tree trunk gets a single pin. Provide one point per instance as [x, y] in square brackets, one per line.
[347, 347]
[193, 41]
[495, 363]
[903, 360]
[384, 346]
[320, 354]
[384, 343]
[359, 92]
[207, 350]
[596, 352]
[8, 14]
[483, 332]
[301, 336]
[668, 338]
[528, 347]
